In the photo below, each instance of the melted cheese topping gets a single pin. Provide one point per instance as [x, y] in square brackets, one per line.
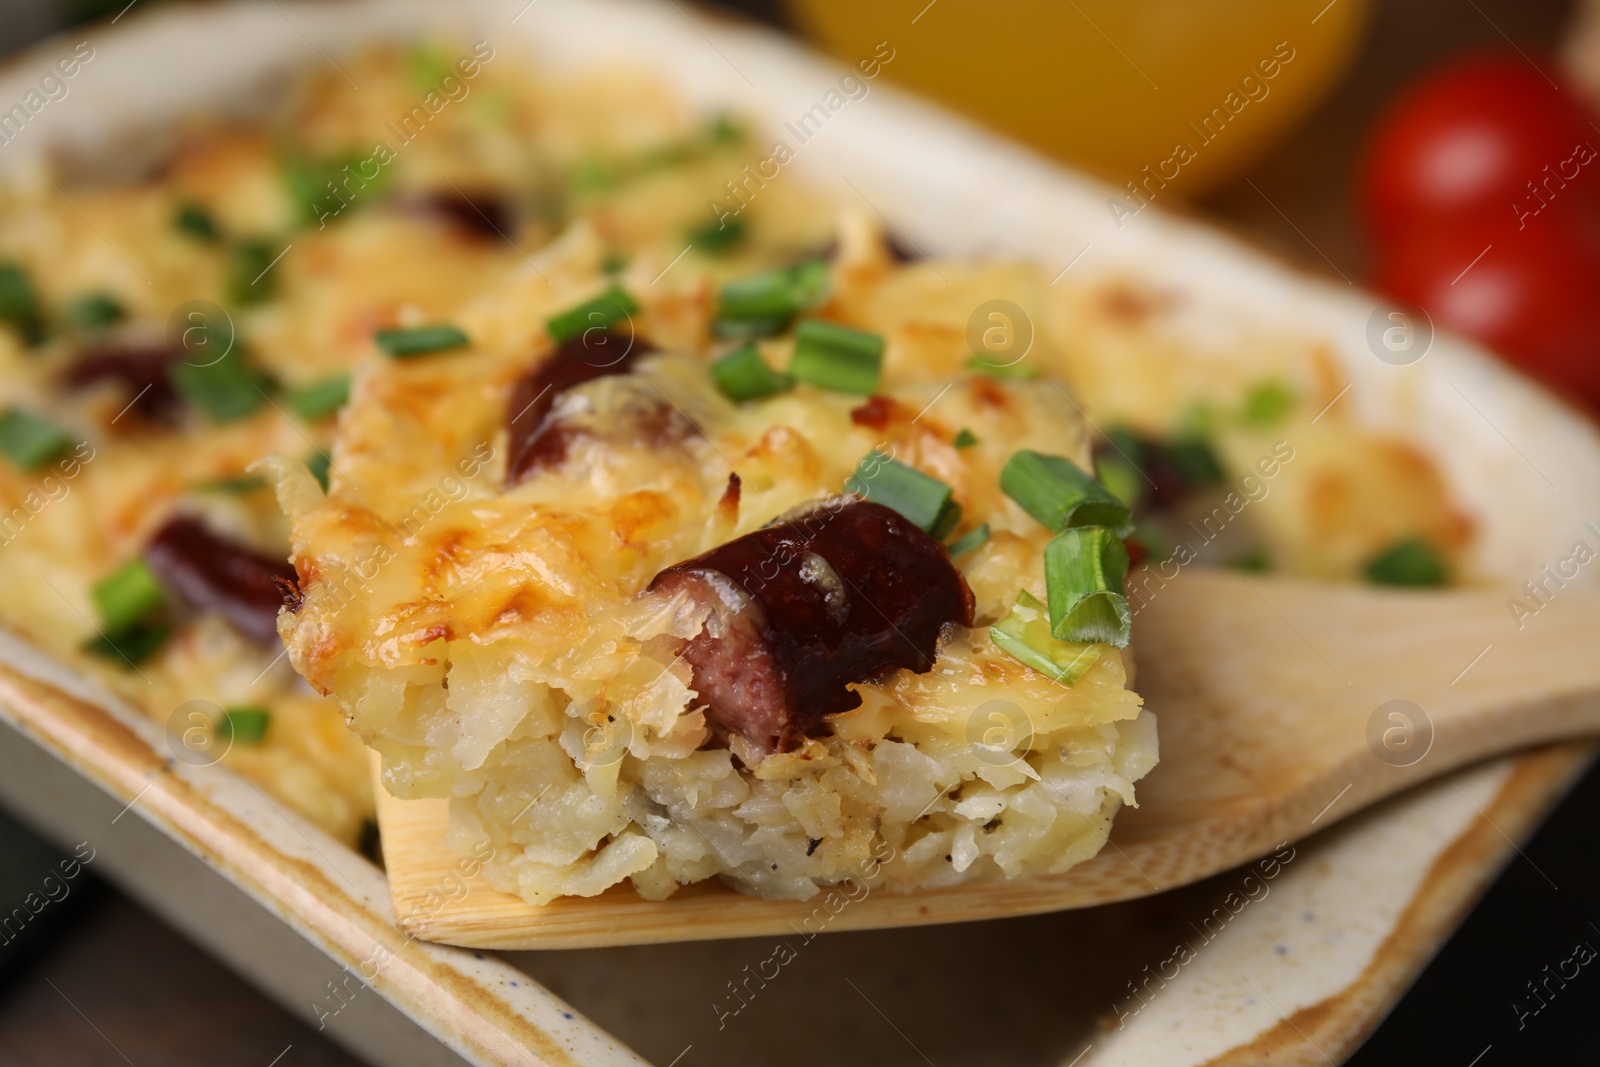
[417, 548]
[418, 568]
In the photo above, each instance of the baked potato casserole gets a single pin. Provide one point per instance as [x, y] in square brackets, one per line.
[673, 520]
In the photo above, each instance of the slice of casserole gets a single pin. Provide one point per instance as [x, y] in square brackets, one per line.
[669, 583]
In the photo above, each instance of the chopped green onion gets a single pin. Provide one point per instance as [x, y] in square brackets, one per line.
[19, 304]
[420, 340]
[1125, 442]
[493, 106]
[318, 464]
[1084, 571]
[945, 525]
[717, 237]
[225, 390]
[1267, 403]
[920, 498]
[133, 645]
[247, 725]
[1410, 562]
[596, 175]
[613, 262]
[1015, 372]
[129, 595]
[724, 130]
[1199, 419]
[830, 356]
[1193, 460]
[743, 375]
[1025, 634]
[965, 438]
[238, 483]
[249, 280]
[968, 541]
[428, 65]
[94, 311]
[306, 183]
[321, 189]
[320, 399]
[776, 295]
[603, 312]
[17, 298]
[1255, 560]
[30, 441]
[196, 221]
[666, 155]
[1058, 494]
[749, 329]
[1121, 478]
[600, 174]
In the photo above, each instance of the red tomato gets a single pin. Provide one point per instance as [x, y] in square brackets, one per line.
[1534, 295]
[1468, 140]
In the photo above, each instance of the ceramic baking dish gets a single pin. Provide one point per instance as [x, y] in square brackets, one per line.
[1298, 973]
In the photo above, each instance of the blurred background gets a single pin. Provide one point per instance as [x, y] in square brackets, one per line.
[1440, 151]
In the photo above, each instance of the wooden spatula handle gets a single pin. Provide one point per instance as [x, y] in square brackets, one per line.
[1294, 690]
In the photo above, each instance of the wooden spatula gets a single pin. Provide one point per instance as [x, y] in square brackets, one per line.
[1284, 706]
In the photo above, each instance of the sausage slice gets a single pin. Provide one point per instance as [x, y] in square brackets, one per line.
[797, 611]
[210, 572]
[536, 440]
[140, 370]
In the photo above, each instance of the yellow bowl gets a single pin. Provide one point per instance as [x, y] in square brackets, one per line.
[1175, 96]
